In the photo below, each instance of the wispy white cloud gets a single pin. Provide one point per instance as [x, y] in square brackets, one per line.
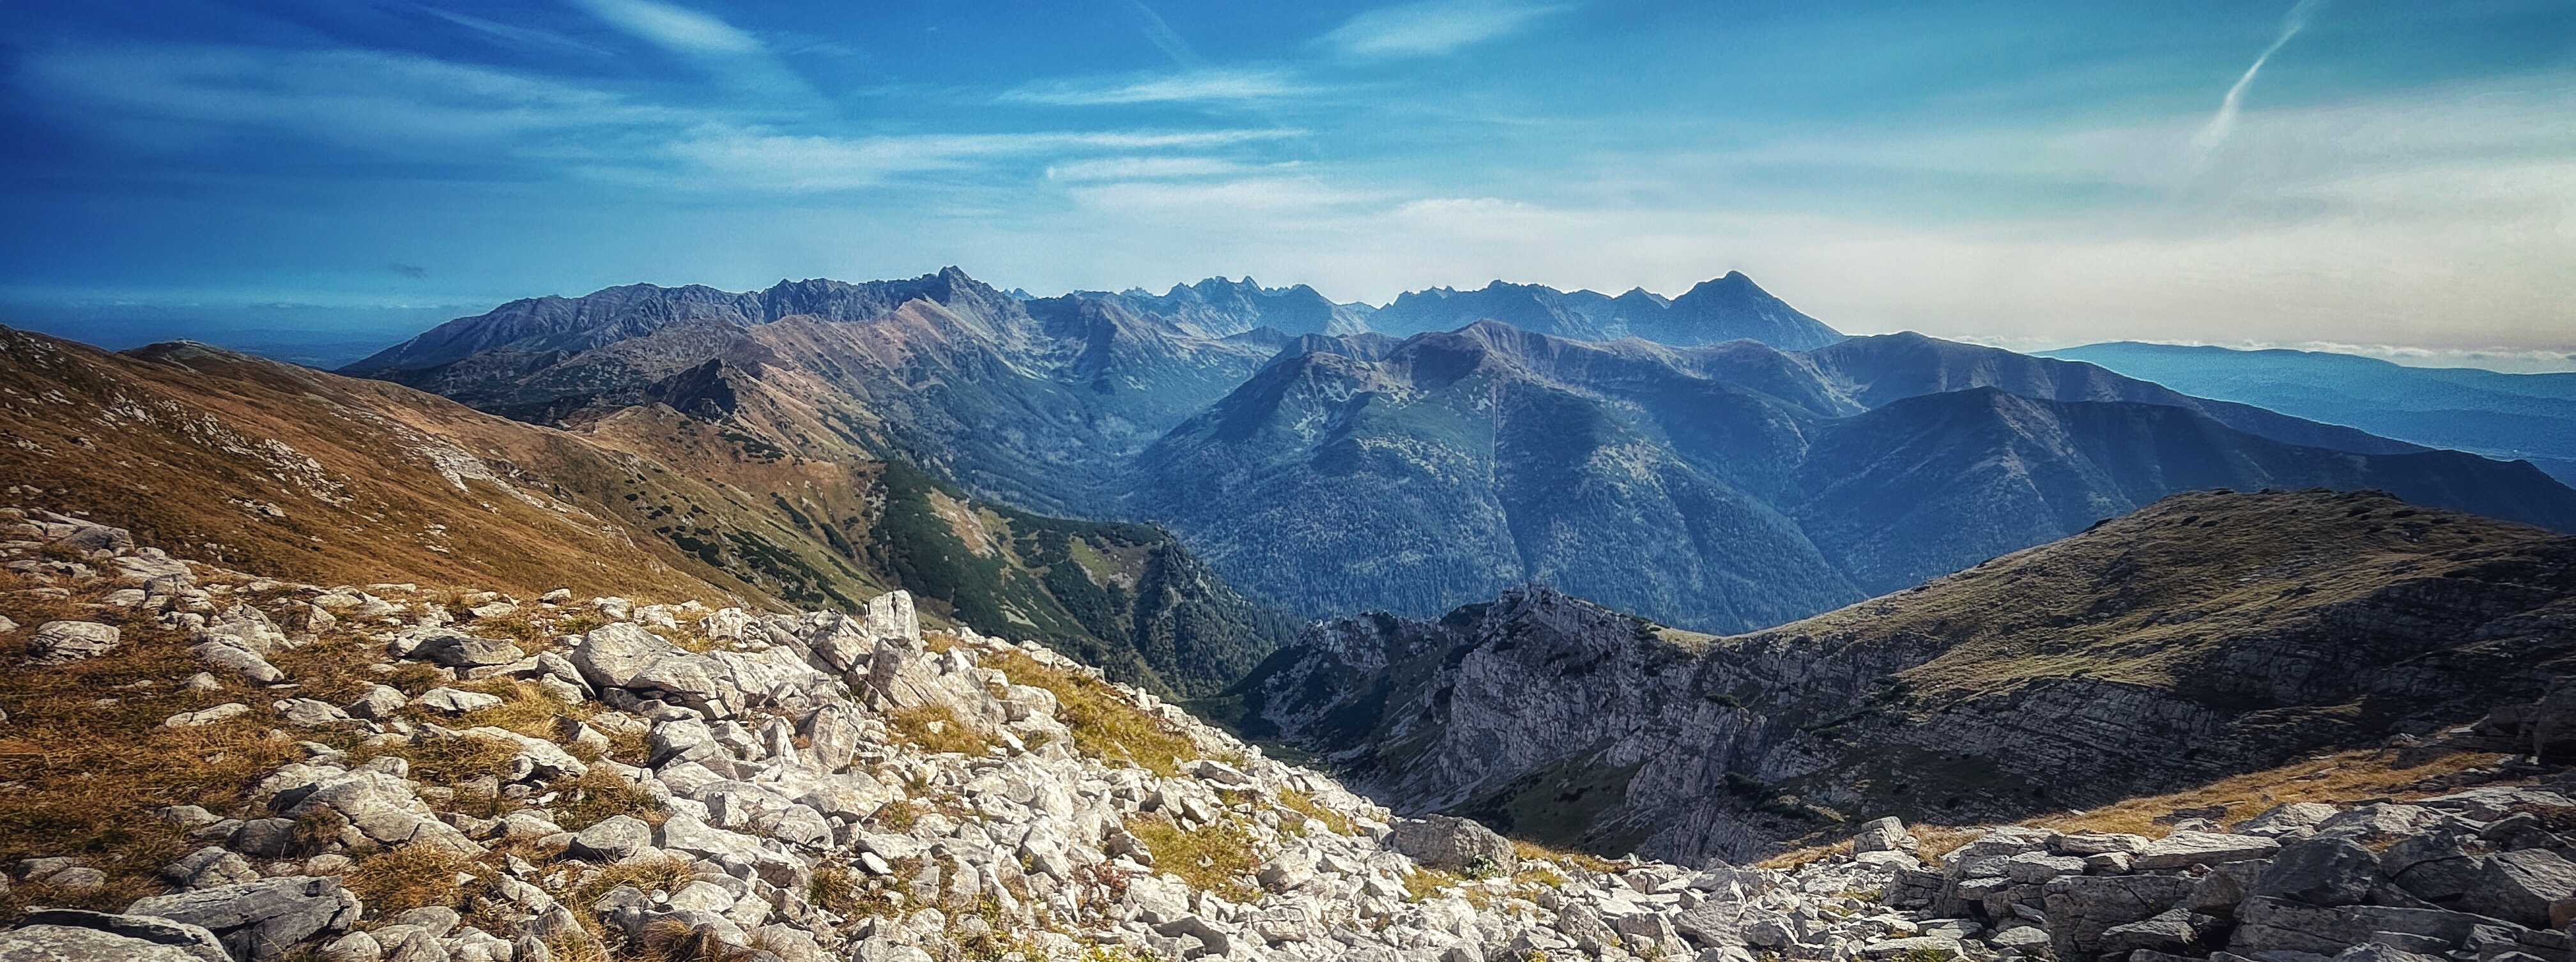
[724, 51]
[2224, 123]
[363, 99]
[1164, 38]
[1431, 27]
[1196, 85]
[1141, 168]
[717, 158]
[509, 33]
[677, 29]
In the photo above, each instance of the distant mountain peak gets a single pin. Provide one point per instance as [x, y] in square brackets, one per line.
[1725, 308]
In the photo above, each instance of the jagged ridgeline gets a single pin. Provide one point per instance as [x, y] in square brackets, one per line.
[2205, 636]
[324, 478]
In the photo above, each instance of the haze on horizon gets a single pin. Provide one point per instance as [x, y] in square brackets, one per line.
[2384, 177]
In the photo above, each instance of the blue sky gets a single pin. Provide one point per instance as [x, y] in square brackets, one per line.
[2396, 175]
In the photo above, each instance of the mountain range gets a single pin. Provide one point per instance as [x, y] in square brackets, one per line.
[1718, 487]
[2206, 635]
[1728, 308]
[2507, 416]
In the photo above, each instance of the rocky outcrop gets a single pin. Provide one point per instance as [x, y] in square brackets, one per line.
[2095, 669]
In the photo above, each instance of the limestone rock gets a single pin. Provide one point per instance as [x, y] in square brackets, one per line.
[260, 920]
[1455, 844]
[2521, 886]
[2325, 870]
[2182, 849]
[64, 642]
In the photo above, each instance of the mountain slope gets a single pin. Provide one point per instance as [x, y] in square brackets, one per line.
[2206, 635]
[2485, 412]
[1725, 309]
[1720, 488]
[338, 480]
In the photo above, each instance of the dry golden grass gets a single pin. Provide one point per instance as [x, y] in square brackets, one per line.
[1934, 841]
[896, 816]
[1105, 724]
[1209, 858]
[525, 708]
[1304, 804]
[599, 795]
[1793, 859]
[436, 761]
[84, 744]
[670, 874]
[1533, 851]
[406, 878]
[2342, 777]
[935, 728]
[1426, 883]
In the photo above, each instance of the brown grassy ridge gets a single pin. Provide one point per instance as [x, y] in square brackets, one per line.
[180, 480]
[2139, 601]
[2340, 778]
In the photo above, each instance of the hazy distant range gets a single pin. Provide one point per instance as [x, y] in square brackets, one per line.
[2509, 416]
[307, 334]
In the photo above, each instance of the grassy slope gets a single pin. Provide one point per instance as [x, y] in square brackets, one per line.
[2145, 598]
[646, 502]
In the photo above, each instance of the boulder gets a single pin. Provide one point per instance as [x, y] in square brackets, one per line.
[206, 716]
[614, 838]
[459, 650]
[2520, 887]
[2295, 818]
[1454, 844]
[379, 703]
[611, 655]
[38, 942]
[309, 712]
[209, 867]
[2098, 843]
[243, 627]
[456, 702]
[2032, 868]
[891, 615]
[832, 737]
[2325, 870]
[2082, 907]
[248, 663]
[64, 642]
[2173, 931]
[2184, 849]
[192, 942]
[2380, 821]
[1879, 835]
[2434, 867]
[260, 920]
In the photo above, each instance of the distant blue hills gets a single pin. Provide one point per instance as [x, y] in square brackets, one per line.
[2528, 417]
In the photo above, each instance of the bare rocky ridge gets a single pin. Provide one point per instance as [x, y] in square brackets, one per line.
[2208, 635]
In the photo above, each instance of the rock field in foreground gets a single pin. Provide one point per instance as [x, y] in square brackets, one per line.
[819, 786]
